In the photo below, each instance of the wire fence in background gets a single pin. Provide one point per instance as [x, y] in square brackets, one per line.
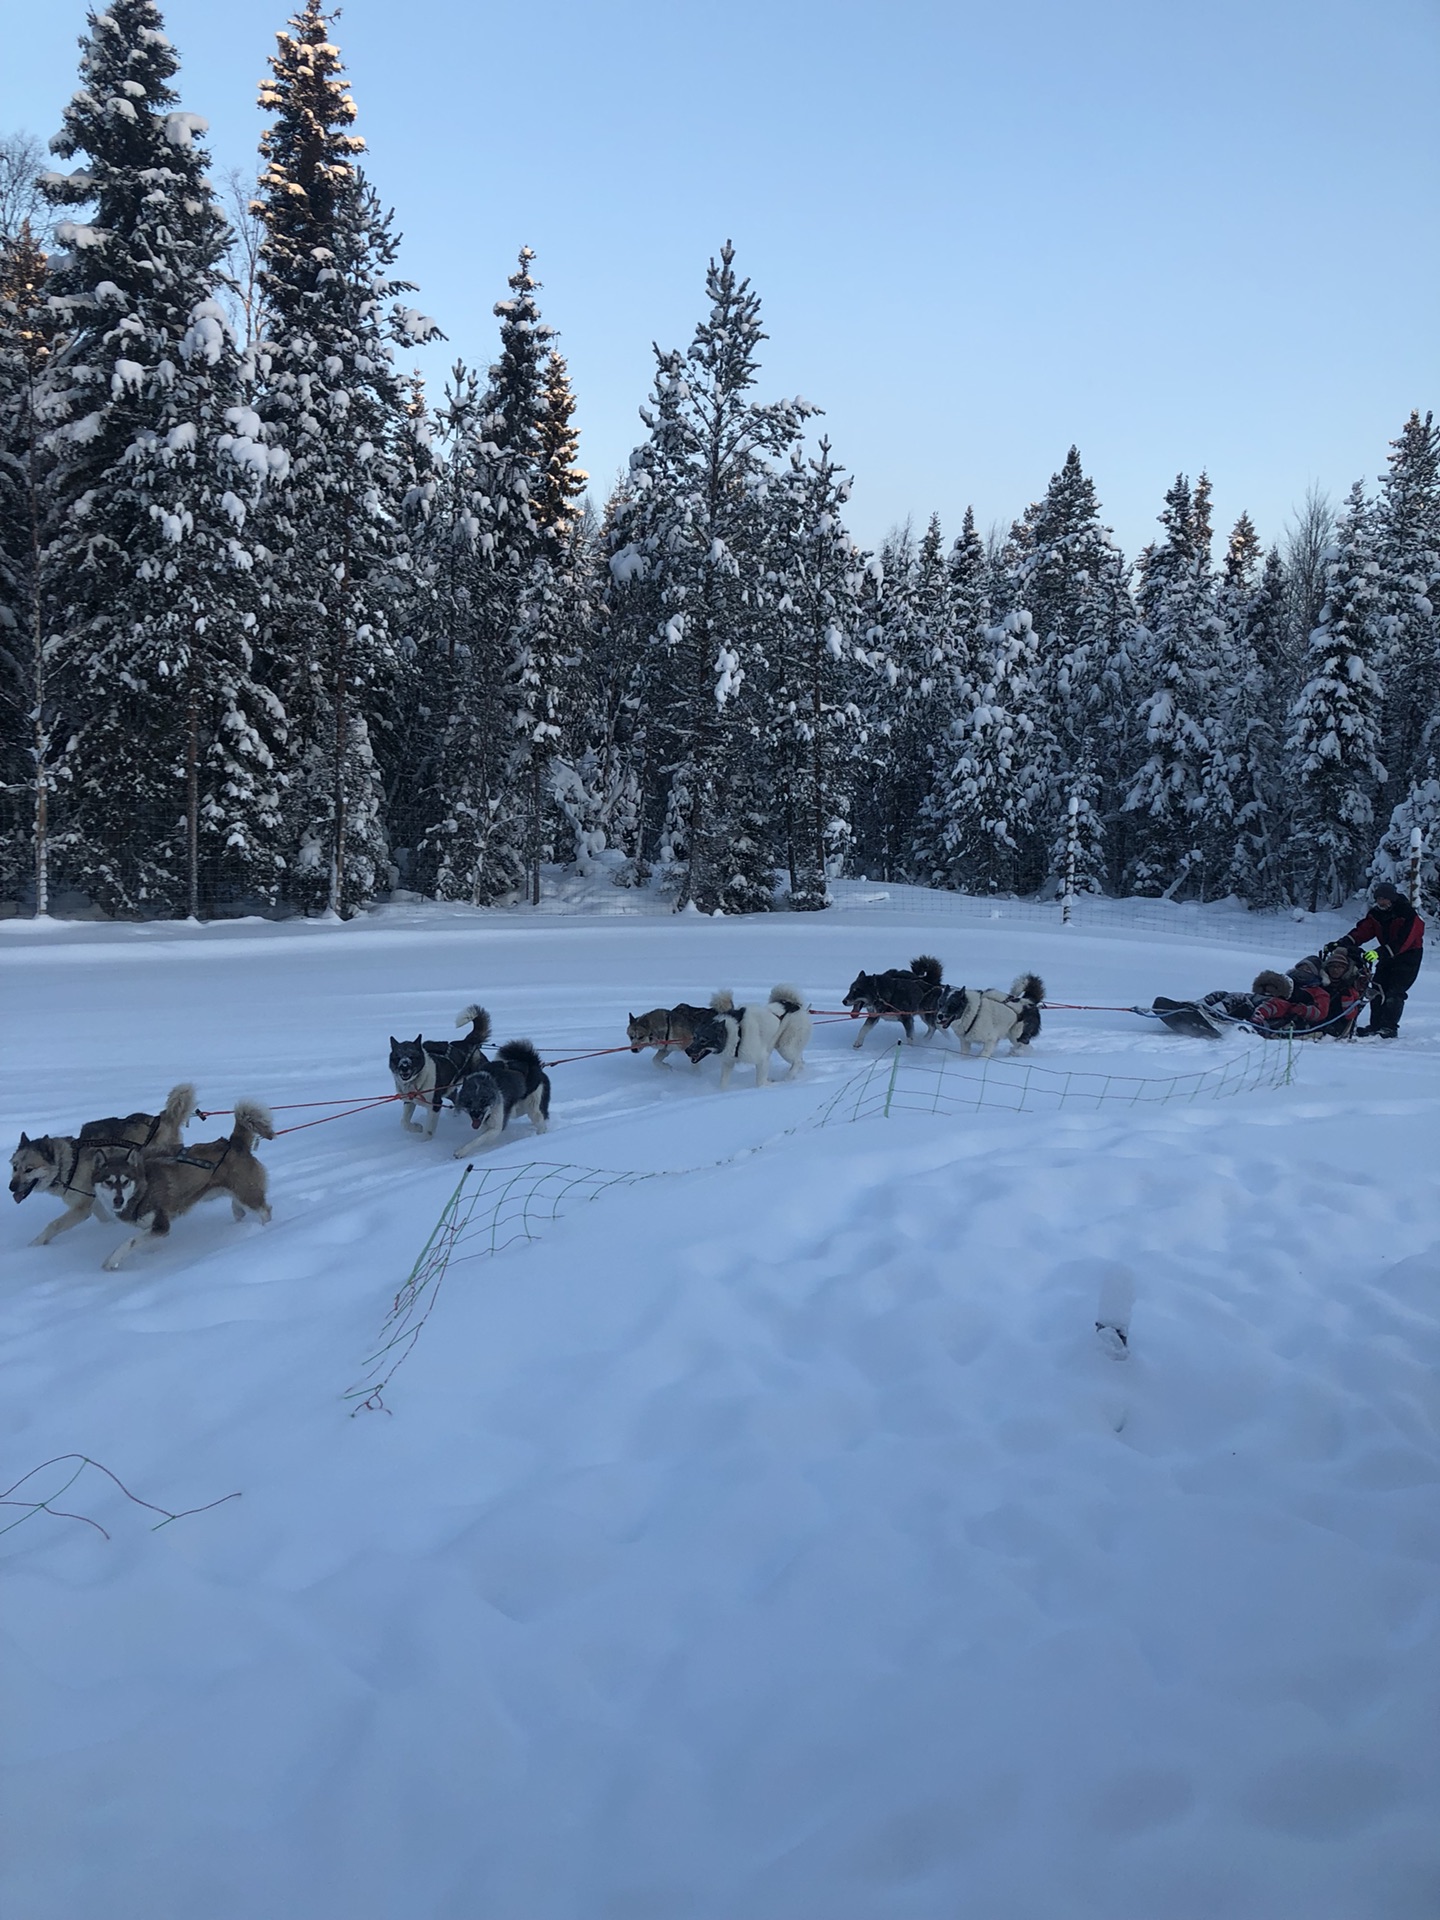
[1224, 923]
[567, 895]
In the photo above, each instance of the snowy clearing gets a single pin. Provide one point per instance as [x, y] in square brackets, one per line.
[777, 1538]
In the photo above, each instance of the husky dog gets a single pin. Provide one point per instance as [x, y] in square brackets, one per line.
[667, 1029]
[982, 1017]
[750, 1034]
[900, 995]
[426, 1070]
[64, 1164]
[160, 1186]
[513, 1082]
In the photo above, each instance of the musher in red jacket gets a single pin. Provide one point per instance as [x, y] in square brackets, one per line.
[1396, 928]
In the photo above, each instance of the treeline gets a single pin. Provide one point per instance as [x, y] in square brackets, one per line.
[277, 631]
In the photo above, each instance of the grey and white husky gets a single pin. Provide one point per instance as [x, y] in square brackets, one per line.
[984, 1016]
[66, 1164]
[425, 1071]
[749, 1035]
[515, 1081]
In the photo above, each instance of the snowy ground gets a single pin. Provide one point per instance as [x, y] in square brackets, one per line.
[776, 1539]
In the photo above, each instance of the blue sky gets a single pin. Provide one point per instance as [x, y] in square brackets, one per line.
[1181, 237]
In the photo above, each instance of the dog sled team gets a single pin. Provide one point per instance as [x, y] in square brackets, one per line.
[139, 1171]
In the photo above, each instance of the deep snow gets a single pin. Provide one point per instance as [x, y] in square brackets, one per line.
[776, 1539]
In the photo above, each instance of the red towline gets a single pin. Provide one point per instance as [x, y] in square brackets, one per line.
[367, 1103]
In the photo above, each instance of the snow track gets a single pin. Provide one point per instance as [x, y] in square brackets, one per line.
[777, 1539]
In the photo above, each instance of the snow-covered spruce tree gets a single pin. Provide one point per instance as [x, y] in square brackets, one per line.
[537, 591]
[334, 411]
[969, 571]
[812, 600]
[167, 786]
[983, 807]
[1067, 578]
[634, 637]
[1229, 666]
[413, 768]
[1420, 808]
[457, 766]
[28, 338]
[1336, 721]
[708, 672]
[1174, 786]
[884, 833]
[562, 482]
[1263, 690]
[501, 551]
[1407, 550]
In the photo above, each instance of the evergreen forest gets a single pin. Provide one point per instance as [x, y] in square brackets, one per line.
[280, 631]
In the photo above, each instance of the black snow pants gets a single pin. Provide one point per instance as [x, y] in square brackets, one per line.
[1395, 975]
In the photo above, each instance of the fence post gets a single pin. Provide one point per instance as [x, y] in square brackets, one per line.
[1072, 834]
[1289, 1054]
[1417, 847]
[894, 1069]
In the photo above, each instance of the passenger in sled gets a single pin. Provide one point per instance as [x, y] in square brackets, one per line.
[1320, 994]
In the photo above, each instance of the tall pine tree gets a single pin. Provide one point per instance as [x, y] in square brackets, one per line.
[1336, 721]
[28, 338]
[167, 771]
[334, 413]
[712, 471]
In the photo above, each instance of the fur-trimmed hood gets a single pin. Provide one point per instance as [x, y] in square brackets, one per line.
[1274, 985]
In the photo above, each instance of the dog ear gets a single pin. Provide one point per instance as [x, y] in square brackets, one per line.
[393, 1041]
[24, 1139]
[419, 1040]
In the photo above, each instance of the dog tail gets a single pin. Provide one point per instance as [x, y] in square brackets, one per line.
[1029, 986]
[787, 997]
[179, 1105]
[251, 1119]
[722, 1002]
[928, 968]
[521, 1055]
[478, 1021]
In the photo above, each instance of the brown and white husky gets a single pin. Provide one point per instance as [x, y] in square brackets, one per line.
[162, 1186]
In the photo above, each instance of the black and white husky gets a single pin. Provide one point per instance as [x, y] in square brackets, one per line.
[750, 1035]
[425, 1071]
[904, 994]
[984, 1016]
[513, 1082]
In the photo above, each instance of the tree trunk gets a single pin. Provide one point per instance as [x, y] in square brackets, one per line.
[41, 733]
[192, 787]
[342, 727]
[535, 832]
